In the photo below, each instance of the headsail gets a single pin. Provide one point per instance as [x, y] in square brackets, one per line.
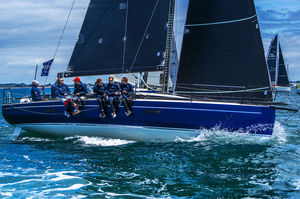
[272, 59]
[121, 36]
[222, 52]
[283, 79]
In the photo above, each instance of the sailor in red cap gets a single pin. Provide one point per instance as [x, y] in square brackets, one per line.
[79, 94]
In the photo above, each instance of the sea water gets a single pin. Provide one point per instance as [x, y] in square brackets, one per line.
[215, 164]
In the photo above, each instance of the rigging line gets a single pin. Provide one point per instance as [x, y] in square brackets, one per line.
[133, 62]
[284, 121]
[125, 36]
[61, 36]
[223, 22]
[145, 83]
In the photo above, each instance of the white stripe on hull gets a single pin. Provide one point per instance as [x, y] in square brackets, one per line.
[136, 133]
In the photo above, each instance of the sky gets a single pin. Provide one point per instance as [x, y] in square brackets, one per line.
[30, 31]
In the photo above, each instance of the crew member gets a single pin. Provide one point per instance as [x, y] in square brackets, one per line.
[62, 91]
[79, 94]
[127, 94]
[59, 89]
[35, 92]
[113, 91]
[99, 92]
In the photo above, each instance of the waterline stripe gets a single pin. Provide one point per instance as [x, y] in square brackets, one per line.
[219, 23]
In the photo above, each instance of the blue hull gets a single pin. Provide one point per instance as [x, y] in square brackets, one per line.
[165, 114]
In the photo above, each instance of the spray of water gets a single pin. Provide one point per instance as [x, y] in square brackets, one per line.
[239, 137]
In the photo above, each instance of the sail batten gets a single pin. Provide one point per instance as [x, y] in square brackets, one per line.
[120, 36]
[222, 45]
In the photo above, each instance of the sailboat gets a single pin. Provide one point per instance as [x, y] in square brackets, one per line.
[221, 76]
[277, 67]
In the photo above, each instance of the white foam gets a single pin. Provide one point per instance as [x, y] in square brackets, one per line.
[279, 133]
[297, 184]
[73, 187]
[7, 174]
[58, 176]
[60, 195]
[8, 194]
[35, 139]
[78, 197]
[98, 141]
[215, 134]
[26, 157]
[61, 176]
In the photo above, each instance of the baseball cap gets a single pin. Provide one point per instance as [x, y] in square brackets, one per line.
[35, 82]
[76, 79]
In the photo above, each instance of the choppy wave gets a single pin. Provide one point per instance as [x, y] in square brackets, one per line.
[213, 164]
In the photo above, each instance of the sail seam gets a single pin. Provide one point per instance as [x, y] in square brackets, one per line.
[222, 22]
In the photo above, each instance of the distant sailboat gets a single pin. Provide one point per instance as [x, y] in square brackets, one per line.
[283, 83]
[220, 79]
[277, 68]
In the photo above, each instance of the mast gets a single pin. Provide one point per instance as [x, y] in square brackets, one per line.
[36, 69]
[167, 62]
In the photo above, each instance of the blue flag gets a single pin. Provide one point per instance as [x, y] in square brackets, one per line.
[46, 68]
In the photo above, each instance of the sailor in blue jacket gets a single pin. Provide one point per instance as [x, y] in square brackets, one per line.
[79, 94]
[35, 92]
[62, 91]
[127, 94]
[99, 92]
[59, 89]
[113, 91]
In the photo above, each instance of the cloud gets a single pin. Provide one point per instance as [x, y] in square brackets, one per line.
[282, 17]
[30, 29]
[29, 33]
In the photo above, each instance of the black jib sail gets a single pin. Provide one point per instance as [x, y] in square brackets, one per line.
[222, 55]
[120, 36]
[283, 79]
[272, 59]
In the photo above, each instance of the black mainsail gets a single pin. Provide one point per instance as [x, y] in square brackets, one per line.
[272, 59]
[222, 52]
[283, 79]
[120, 36]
